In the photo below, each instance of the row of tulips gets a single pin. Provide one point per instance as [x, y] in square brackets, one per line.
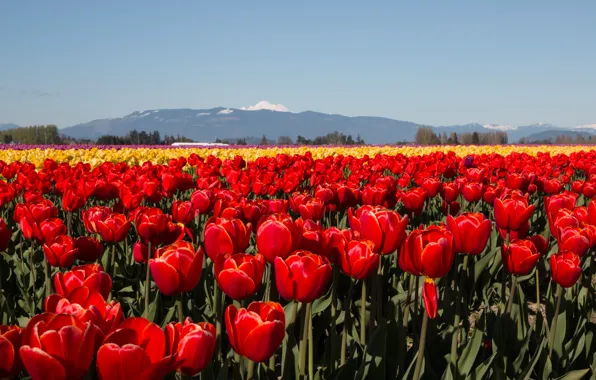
[375, 267]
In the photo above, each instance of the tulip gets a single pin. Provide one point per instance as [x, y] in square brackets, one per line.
[89, 275]
[472, 192]
[193, 343]
[10, 342]
[562, 219]
[239, 275]
[35, 212]
[512, 212]
[177, 268]
[226, 236]
[92, 216]
[312, 210]
[574, 239]
[556, 202]
[114, 228]
[153, 226]
[88, 248]
[5, 235]
[182, 212]
[88, 306]
[373, 195]
[347, 196]
[136, 350]
[385, 228]
[358, 260]
[431, 186]
[312, 237]
[202, 201]
[73, 199]
[257, 331]
[565, 268]
[540, 243]
[302, 276]
[60, 252]
[335, 242]
[449, 192]
[140, 252]
[413, 200]
[278, 236]
[470, 232]
[50, 229]
[519, 257]
[57, 346]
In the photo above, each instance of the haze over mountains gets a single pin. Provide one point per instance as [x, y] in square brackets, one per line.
[274, 120]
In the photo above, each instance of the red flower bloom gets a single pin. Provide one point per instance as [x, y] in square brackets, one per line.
[182, 212]
[88, 248]
[470, 232]
[512, 212]
[313, 210]
[226, 236]
[385, 228]
[5, 235]
[73, 199]
[257, 331]
[10, 342]
[565, 268]
[358, 260]
[472, 192]
[89, 275]
[193, 343]
[519, 257]
[240, 275]
[114, 228]
[61, 252]
[177, 268]
[574, 239]
[94, 215]
[60, 346]
[278, 236]
[135, 351]
[302, 276]
[413, 200]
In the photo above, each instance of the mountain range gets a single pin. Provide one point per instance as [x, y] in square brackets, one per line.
[274, 120]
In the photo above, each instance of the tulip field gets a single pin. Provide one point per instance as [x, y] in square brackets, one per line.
[449, 263]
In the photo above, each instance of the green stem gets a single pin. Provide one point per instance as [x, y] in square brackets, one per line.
[311, 345]
[250, 370]
[292, 323]
[504, 278]
[538, 311]
[304, 341]
[69, 223]
[180, 305]
[268, 283]
[458, 311]
[31, 277]
[147, 283]
[218, 313]
[333, 334]
[554, 324]
[421, 345]
[511, 294]
[402, 344]
[46, 270]
[344, 336]
[363, 314]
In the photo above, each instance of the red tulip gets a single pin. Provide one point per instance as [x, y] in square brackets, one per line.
[135, 351]
[193, 343]
[10, 342]
[257, 331]
[92, 216]
[312, 237]
[177, 268]
[89, 275]
[574, 239]
[278, 236]
[519, 257]
[565, 268]
[57, 346]
[35, 212]
[202, 201]
[114, 228]
[373, 195]
[60, 252]
[470, 232]
[556, 202]
[347, 197]
[50, 229]
[226, 236]
[88, 248]
[302, 276]
[5, 235]
[312, 210]
[413, 200]
[73, 199]
[449, 192]
[239, 275]
[562, 219]
[385, 228]
[431, 186]
[156, 227]
[512, 212]
[88, 306]
[540, 243]
[182, 212]
[472, 192]
[358, 260]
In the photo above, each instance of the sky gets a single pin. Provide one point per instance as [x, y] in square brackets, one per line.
[438, 63]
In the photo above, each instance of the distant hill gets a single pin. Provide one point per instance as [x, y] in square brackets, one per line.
[4, 127]
[552, 135]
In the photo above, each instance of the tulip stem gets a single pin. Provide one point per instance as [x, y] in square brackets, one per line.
[218, 314]
[180, 305]
[511, 294]
[113, 260]
[554, 324]
[310, 345]
[333, 334]
[268, 283]
[363, 314]
[304, 340]
[344, 336]
[421, 345]
[538, 311]
[69, 223]
[402, 346]
[147, 282]
[31, 276]
[46, 270]
[458, 311]
[250, 370]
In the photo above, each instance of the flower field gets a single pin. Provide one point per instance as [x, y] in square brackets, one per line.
[379, 262]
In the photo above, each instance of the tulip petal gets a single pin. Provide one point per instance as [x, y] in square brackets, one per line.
[165, 276]
[40, 365]
[263, 340]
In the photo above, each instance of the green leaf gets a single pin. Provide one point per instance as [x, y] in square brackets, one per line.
[525, 375]
[373, 365]
[468, 356]
[321, 304]
[574, 375]
[480, 371]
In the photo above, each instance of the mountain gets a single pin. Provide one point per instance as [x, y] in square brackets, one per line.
[553, 134]
[230, 123]
[4, 127]
[274, 120]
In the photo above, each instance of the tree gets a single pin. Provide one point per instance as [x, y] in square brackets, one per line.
[350, 140]
[475, 138]
[444, 138]
[241, 141]
[427, 136]
[302, 141]
[285, 140]
[359, 140]
[263, 140]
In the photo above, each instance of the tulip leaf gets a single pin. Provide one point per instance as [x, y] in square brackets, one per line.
[574, 375]
[321, 304]
[373, 360]
[468, 357]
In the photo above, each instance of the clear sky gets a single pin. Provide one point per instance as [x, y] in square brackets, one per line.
[438, 63]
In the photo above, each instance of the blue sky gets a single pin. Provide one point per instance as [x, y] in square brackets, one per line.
[506, 62]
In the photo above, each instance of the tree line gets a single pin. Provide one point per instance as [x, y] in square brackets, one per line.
[427, 136]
